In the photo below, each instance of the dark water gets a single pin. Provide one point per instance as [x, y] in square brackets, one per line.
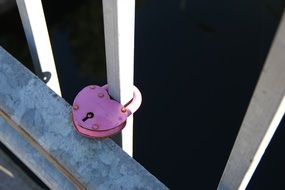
[196, 63]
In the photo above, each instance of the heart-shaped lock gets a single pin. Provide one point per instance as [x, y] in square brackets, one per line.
[95, 114]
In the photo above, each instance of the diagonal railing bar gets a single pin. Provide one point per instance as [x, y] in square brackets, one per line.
[34, 24]
[265, 111]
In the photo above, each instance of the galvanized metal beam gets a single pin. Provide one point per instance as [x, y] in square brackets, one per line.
[43, 119]
[265, 111]
[13, 177]
[37, 163]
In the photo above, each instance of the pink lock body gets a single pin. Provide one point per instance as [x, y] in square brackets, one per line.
[109, 116]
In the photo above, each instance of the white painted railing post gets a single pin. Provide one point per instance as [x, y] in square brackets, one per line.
[33, 19]
[263, 116]
[119, 17]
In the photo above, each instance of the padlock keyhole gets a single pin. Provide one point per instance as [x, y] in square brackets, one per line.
[89, 115]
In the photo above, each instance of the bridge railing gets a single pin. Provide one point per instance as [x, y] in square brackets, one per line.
[36, 125]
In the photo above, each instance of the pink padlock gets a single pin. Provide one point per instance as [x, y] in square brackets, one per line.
[95, 114]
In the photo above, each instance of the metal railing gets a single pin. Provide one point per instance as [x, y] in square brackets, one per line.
[40, 131]
[264, 113]
[36, 125]
[44, 134]
[119, 20]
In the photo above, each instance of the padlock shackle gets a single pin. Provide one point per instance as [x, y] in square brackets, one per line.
[134, 103]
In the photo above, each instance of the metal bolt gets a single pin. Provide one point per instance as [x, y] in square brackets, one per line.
[100, 95]
[124, 109]
[75, 107]
[95, 126]
[92, 86]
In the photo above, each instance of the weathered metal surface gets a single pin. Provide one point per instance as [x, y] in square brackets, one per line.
[12, 177]
[44, 120]
[53, 178]
[263, 116]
